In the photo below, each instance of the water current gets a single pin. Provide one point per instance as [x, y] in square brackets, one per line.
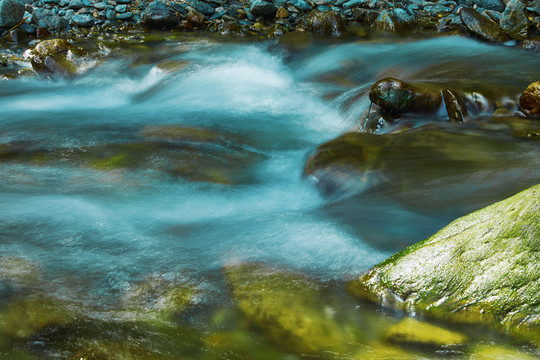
[94, 231]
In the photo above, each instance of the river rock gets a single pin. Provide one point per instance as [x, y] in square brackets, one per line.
[288, 308]
[482, 267]
[195, 18]
[397, 97]
[411, 332]
[481, 26]
[529, 101]
[11, 13]
[159, 16]
[455, 106]
[83, 20]
[325, 23]
[53, 57]
[385, 22]
[202, 7]
[300, 5]
[263, 8]
[514, 21]
[496, 5]
[47, 19]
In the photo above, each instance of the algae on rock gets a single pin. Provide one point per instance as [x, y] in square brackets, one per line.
[288, 308]
[482, 267]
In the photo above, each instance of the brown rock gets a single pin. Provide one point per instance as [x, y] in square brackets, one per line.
[195, 18]
[455, 106]
[482, 26]
[529, 101]
[325, 23]
[282, 13]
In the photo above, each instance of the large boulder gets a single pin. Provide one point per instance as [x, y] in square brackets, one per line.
[514, 21]
[481, 26]
[482, 267]
[529, 101]
[325, 23]
[397, 97]
[11, 13]
[159, 16]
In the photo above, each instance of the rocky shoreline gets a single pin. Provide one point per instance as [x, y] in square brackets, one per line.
[514, 21]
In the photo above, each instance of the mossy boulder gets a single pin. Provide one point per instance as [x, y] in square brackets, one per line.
[397, 97]
[482, 267]
[418, 334]
[54, 57]
[288, 308]
[529, 101]
[325, 23]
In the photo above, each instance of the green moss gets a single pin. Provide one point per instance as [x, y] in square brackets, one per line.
[482, 267]
[411, 332]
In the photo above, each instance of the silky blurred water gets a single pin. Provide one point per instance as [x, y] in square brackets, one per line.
[94, 232]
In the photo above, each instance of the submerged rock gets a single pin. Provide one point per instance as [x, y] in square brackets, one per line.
[325, 23]
[397, 97]
[288, 308]
[481, 26]
[455, 106]
[481, 267]
[411, 332]
[514, 21]
[529, 101]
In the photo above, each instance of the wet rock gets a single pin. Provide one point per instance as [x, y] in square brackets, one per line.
[53, 57]
[455, 106]
[202, 7]
[529, 101]
[282, 13]
[159, 16]
[481, 26]
[480, 268]
[496, 5]
[300, 5]
[195, 18]
[263, 8]
[414, 333]
[288, 308]
[82, 20]
[397, 97]
[11, 13]
[514, 21]
[47, 19]
[325, 23]
[385, 22]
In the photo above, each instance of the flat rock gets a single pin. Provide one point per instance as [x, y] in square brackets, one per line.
[482, 267]
[481, 26]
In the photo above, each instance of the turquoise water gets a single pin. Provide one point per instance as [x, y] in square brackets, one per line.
[95, 232]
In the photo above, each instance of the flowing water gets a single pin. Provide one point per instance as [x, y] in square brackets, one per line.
[94, 202]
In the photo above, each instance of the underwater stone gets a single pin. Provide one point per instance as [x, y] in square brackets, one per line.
[529, 101]
[482, 267]
[287, 307]
[397, 97]
[411, 332]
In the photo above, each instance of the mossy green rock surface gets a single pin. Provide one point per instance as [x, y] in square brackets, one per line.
[411, 332]
[482, 267]
[288, 308]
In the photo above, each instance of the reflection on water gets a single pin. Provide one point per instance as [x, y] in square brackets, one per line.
[132, 179]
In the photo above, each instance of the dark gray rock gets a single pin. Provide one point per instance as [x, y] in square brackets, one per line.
[355, 3]
[75, 4]
[202, 7]
[496, 5]
[83, 20]
[481, 26]
[11, 13]
[514, 21]
[300, 5]
[263, 8]
[159, 16]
